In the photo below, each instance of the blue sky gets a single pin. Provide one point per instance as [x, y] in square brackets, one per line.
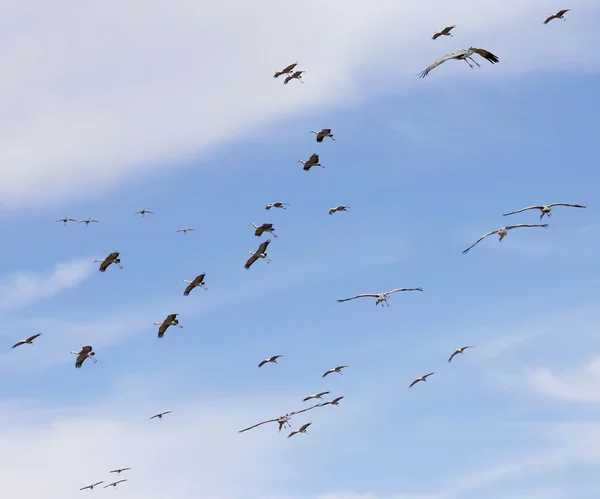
[427, 167]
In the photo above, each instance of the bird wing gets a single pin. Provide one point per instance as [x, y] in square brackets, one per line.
[262, 363]
[336, 400]
[566, 204]
[320, 394]
[479, 240]
[415, 382]
[562, 12]
[535, 207]
[258, 424]
[486, 55]
[453, 355]
[155, 416]
[124, 480]
[263, 246]
[427, 375]
[287, 80]
[313, 159]
[18, 343]
[163, 328]
[292, 433]
[113, 256]
[439, 61]
[31, 338]
[403, 289]
[550, 19]
[86, 349]
[289, 68]
[364, 295]
[447, 29]
[304, 427]
[104, 265]
[88, 487]
[80, 359]
[250, 261]
[167, 412]
[327, 372]
[171, 317]
[303, 410]
[526, 225]
[266, 226]
[189, 288]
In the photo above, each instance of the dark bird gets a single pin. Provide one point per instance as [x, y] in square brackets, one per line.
[335, 401]
[545, 209]
[261, 229]
[312, 161]
[143, 212]
[277, 204]
[302, 429]
[458, 351]
[85, 353]
[461, 55]
[65, 220]
[114, 484]
[326, 132]
[161, 414]
[337, 369]
[197, 282]
[338, 208]
[171, 320]
[270, 359]
[112, 258]
[422, 378]
[559, 15]
[502, 231]
[261, 252]
[295, 76]
[286, 70]
[118, 472]
[91, 487]
[28, 341]
[444, 32]
[88, 222]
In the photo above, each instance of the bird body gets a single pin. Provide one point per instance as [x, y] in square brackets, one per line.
[559, 15]
[422, 378]
[261, 252]
[381, 298]
[302, 429]
[85, 353]
[28, 341]
[325, 132]
[338, 208]
[277, 204]
[270, 359]
[502, 231]
[261, 229]
[337, 369]
[197, 282]
[461, 55]
[286, 70]
[444, 32]
[315, 396]
[112, 258]
[171, 320]
[161, 414]
[312, 161]
[545, 209]
[458, 351]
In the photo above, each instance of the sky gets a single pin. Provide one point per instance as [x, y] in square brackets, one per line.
[111, 107]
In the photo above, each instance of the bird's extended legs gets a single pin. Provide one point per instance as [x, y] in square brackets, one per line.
[478, 65]
[470, 65]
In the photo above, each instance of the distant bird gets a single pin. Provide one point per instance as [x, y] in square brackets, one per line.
[85, 353]
[338, 208]
[282, 421]
[261, 252]
[143, 212]
[461, 55]
[65, 220]
[161, 414]
[261, 229]
[444, 32]
[337, 369]
[91, 487]
[88, 221]
[559, 15]
[295, 76]
[286, 70]
[315, 396]
[422, 378]
[114, 484]
[335, 401]
[544, 208]
[197, 282]
[270, 359]
[458, 351]
[171, 320]
[118, 472]
[325, 132]
[302, 429]
[28, 341]
[185, 231]
[502, 231]
[112, 258]
[277, 204]
[312, 161]
[380, 297]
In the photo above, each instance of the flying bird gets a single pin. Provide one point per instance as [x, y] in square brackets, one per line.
[28, 341]
[422, 378]
[380, 297]
[458, 351]
[337, 369]
[461, 55]
[91, 487]
[335, 401]
[85, 353]
[197, 282]
[185, 231]
[325, 132]
[544, 208]
[171, 320]
[312, 161]
[286, 70]
[143, 212]
[270, 359]
[315, 396]
[88, 221]
[261, 252]
[118, 472]
[444, 32]
[502, 231]
[338, 208]
[161, 414]
[114, 484]
[65, 220]
[297, 75]
[302, 429]
[261, 229]
[112, 258]
[559, 15]
[282, 421]
[277, 204]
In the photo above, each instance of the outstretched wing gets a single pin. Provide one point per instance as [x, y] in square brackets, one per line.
[313, 159]
[304, 427]
[454, 354]
[415, 382]
[403, 289]
[562, 12]
[427, 375]
[104, 265]
[258, 424]
[526, 225]
[303, 410]
[479, 240]
[81, 359]
[31, 338]
[439, 61]
[364, 295]
[566, 204]
[447, 29]
[263, 247]
[250, 261]
[189, 288]
[486, 55]
[548, 19]
[536, 207]
[19, 343]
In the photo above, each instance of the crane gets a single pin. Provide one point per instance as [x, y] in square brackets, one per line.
[88, 222]
[559, 15]
[380, 297]
[85, 353]
[28, 341]
[261, 252]
[302, 429]
[65, 220]
[161, 414]
[143, 212]
[91, 487]
[422, 378]
[315, 396]
[444, 32]
[461, 55]
[261, 229]
[338, 208]
[337, 369]
[325, 132]
[112, 258]
[458, 351]
[286, 70]
[502, 231]
[297, 75]
[544, 208]
[277, 204]
[171, 320]
[270, 359]
[312, 161]
[197, 282]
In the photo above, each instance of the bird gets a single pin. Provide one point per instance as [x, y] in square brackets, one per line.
[169, 321]
[458, 351]
[143, 212]
[295, 76]
[118, 472]
[461, 55]
[302, 429]
[422, 378]
[559, 15]
[544, 208]
[114, 484]
[65, 220]
[112, 258]
[88, 221]
[444, 32]
[335, 401]
[161, 414]
[338, 208]
[28, 341]
[197, 282]
[325, 132]
[277, 204]
[312, 161]
[380, 297]
[337, 369]
[502, 231]
[85, 353]
[286, 70]
[261, 229]
[91, 487]
[261, 252]
[315, 396]
[283, 421]
[270, 359]
[185, 231]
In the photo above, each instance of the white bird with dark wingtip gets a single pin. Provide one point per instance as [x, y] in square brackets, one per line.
[143, 212]
[171, 320]
[335, 401]
[85, 353]
[270, 359]
[91, 487]
[28, 341]
[277, 204]
[422, 378]
[338, 208]
[161, 414]
[325, 132]
[261, 252]
[197, 282]
[65, 220]
[185, 231]
[88, 221]
[315, 396]
[444, 32]
[114, 484]
[502, 231]
[337, 369]
[302, 429]
[544, 208]
[286, 70]
[559, 15]
[297, 75]
[461, 55]
[261, 229]
[312, 161]
[112, 258]
[458, 351]
[380, 297]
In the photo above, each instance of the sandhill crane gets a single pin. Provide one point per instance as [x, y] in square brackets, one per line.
[161, 414]
[461, 55]
[143, 212]
[270, 359]
[544, 208]
[277, 204]
[458, 351]
[338, 208]
[261, 252]
[261, 229]
[422, 378]
[337, 369]
[444, 32]
[171, 320]
[85, 353]
[302, 429]
[335, 401]
[112, 258]
[286, 70]
[559, 15]
[502, 231]
[118, 472]
[185, 231]
[114, 484]
[197, 282]
[312, 161]
[65, 220]
[91, 487]
[315, 396]
[380, 297]
[88, 221]
[325, 132]
[282, 421]
[295, 76]
[28, 341]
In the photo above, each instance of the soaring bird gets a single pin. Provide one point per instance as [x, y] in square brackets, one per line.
[282, 421]
[112, 258]
[88, 221]
[302, 429]
[325, 132]
[335, 401]
[171, 320]
[315, 396]
[502, 231]
[261, 229]
[143, 212]
[261, 252]
[444, 32]
[559, 15]
[197, 282]
[312, 161]
[85, 353]
[114, 484]
[277, 204]
[422, 378]
[270, 359]
[297, 75]
[161, 414]
[338, 208]
[118, 472]
[185, 231]
[91, 487]
[65, 220]
[458, 351]
[544, 208]
[286, 70]
[29, 341]
[337, 369]
[461, 55]
[380, 297]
